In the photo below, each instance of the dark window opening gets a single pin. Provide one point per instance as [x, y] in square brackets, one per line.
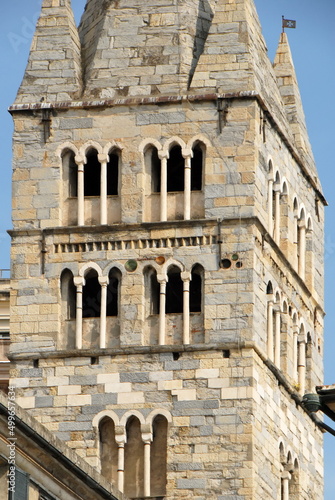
[113, 293]
[175, 170]
[196, 169]
[91, 296]
[154, 293]
[68, 295]
[269, 288]
[158, 464]
[196, 289]
[174, 291]
[155, 171]
[92, 173]
[73, 176]
[113, 174]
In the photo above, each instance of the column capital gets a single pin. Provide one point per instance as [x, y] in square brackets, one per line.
[187, 153]
[186, 276]
[286, 475]
[103, 280]
[80, 160]
[163, 154]
[162, 278]
[103, 158]
[79, 281]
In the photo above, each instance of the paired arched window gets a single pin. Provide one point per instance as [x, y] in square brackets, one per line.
[92, 294]
[92, 301]
[289, 483]
[90, 177]
[174, 298]
[68, 295]
[176, 173]
[135, 462]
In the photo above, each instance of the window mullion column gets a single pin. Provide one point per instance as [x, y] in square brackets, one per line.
[120, 441]
[103, 159]
[163, 187]
[277, 336]
[187, 185]
[103, 280]
[79, 283]
[270, 206]
[147, 440]
[185, 276]
[162, 307]
[80, 161]
[270, 329]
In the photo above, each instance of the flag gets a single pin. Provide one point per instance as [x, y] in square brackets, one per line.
[289, 23]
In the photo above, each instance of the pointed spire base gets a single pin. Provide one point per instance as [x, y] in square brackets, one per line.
[289, 89]
[53, 71]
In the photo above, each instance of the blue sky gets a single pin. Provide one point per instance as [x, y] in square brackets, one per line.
[312, 45]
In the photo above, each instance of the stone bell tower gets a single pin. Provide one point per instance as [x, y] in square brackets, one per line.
[167, 250]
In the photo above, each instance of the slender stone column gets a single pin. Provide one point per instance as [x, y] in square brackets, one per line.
[302, 366]
[270, 206]
[103, 159]
[296, 243]
[301, 249]
[277, 215]
[147, 450]
[186, 277]
[270, 329]
[81, 208]
[187, 187]
[295, 352]
[79, 283]
[162, 306]
[163, 208]
[286, 476]
[103, 280]
[277, 336]
[120, 466]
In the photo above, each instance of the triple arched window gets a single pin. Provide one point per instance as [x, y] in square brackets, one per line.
[172, 299]
[90, 309]
[91, 305]
[290, 226]
[133, 451]
[289, 481]
[174, 179]
[91, 184]
[287, 338]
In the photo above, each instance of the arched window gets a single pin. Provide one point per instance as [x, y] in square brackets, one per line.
[108, 450]
[294, 486]
[68, 295]
[197, 167]
[174, 291]
[92, 174]
[66, 339]
[158, 457]
[175, 170]
[70, 173]
[113, 292]
[152, 289]
[153, 167]
[301, 246]
[196, 292]
[134, 460]
[270, 321]
[113, 173]
[91, 295]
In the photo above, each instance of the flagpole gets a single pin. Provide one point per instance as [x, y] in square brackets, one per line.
[282, 23]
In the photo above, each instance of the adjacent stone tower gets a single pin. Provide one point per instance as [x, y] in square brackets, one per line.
[167, 250]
